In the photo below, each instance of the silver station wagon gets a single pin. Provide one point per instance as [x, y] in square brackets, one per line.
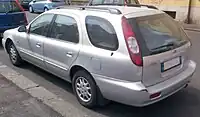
[136, 54]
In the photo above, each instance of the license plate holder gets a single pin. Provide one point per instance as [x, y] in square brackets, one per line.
[167, 65]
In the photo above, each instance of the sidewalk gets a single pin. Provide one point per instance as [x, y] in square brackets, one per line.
[192, 27]
[21, 97]
[15, 102]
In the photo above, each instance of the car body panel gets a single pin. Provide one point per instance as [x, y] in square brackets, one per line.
[152, 64]
[12, 19]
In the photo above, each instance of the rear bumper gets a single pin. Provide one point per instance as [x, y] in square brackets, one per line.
[136, 94]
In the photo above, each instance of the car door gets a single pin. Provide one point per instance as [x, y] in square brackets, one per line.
[37, 34]
[62, 48]
[41, 5]
[36, 5]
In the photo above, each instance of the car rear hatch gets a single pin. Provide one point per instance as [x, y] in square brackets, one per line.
[11, 14]
[164, 47]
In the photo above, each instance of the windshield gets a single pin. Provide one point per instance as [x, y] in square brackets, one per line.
[160, 33]
[9, 7]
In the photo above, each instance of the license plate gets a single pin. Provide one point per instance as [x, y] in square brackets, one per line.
[170, 64]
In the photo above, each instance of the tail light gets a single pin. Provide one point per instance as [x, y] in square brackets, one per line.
[132, 43]
[22, 9]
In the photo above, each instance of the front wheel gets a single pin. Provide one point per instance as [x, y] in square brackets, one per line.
[46, 9]
[14, 55]
[31, 9]
[85, 89]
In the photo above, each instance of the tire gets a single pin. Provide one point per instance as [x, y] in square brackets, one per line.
[14, 55]
[80, 89]
[31, 9]
[45, 9]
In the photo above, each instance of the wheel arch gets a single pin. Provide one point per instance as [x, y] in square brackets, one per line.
[31, 5]
[100, 98]
[7, 42]
[76, 68]
[46, 6]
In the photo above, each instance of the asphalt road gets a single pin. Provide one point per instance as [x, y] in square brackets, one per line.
[185, 103]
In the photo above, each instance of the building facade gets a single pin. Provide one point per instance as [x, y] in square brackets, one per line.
[182, 10]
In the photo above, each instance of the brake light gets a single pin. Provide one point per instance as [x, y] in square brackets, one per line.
[131, 42]
[22, 9]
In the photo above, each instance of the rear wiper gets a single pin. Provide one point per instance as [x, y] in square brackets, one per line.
[164, 46]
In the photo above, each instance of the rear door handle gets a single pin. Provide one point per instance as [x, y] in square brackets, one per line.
[38, 45]
[69, 54]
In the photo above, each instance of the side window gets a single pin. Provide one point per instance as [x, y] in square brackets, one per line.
[41, 25]
[101, 33]
[65, 28]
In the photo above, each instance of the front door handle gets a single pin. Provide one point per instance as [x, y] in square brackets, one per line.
[69, 54]
[38, 45]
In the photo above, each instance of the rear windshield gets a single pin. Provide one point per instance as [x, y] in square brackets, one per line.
[158, 33]
[9, 7]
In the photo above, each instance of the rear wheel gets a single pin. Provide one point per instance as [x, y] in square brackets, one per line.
[85, 89]
[31, 9]
[14, 55]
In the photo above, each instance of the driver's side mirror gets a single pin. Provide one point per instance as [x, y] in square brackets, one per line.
[34, 1]
[22, 28]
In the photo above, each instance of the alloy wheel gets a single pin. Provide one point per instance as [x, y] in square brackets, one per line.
[13, 54]
[83, 89]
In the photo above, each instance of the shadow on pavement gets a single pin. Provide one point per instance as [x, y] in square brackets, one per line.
[1, 46]
[49, 77]
[185, 103]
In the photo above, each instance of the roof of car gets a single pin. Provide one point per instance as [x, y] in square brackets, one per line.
[124, 10]
[127, 9]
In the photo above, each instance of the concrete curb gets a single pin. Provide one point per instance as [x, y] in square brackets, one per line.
[192, 29]
[62, 107]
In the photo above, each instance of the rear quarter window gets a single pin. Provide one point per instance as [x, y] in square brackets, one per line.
[101, 33]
